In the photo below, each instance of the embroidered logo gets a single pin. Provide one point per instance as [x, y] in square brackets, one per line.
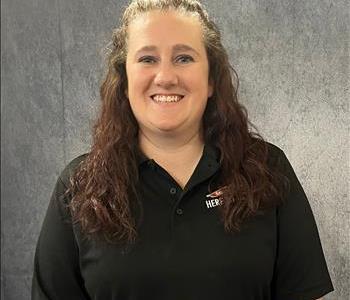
[214, 198]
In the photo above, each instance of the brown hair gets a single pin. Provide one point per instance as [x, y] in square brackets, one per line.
[103, 187]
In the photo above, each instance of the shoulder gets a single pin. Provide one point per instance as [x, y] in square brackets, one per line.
[275, 155]
[274, 150]
[59, 198]
[71, 167]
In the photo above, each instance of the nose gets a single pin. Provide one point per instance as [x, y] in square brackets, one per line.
[166, 76]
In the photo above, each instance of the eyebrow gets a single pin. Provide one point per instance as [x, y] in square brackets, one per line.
[177, 48]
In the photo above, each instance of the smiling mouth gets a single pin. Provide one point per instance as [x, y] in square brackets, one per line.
[167, 99]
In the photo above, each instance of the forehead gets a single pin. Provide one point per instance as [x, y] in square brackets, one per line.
[157, 27]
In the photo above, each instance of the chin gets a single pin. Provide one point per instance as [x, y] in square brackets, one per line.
[166, 128]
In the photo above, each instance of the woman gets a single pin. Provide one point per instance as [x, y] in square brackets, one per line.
[177, 199]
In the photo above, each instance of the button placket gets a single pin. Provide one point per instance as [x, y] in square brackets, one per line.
[179, 211]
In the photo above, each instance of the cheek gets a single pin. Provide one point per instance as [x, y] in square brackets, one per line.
[196, 77]
[136, 78]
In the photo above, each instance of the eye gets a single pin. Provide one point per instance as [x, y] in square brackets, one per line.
[184, 58]
[146, 59]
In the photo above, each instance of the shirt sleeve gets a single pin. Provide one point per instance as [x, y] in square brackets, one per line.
[56, 274]
[300, 268]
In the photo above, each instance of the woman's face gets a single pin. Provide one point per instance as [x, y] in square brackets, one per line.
[166, 57]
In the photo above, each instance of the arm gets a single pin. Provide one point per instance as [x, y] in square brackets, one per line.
[300, 270]
[56, 263]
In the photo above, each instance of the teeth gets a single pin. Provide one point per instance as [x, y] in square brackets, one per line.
[161, 98]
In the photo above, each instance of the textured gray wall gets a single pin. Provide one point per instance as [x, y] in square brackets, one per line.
[293, 61]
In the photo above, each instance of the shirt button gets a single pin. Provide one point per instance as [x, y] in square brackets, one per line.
[179, 211]
[173, 191]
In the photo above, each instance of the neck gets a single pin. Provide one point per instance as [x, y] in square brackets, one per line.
[172, 150]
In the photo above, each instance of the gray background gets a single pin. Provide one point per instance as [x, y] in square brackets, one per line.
[293, 61]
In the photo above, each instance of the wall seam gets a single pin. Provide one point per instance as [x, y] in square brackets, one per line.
[63, 108]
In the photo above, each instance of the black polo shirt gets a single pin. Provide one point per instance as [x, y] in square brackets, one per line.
[183, 252]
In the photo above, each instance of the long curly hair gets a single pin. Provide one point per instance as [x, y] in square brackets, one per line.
[103, 188]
